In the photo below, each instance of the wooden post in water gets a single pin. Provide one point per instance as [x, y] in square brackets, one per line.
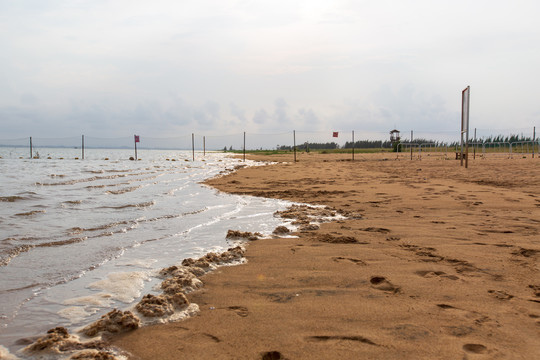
[31, 153]
[204, 145]
[411, 142]
[353, 145]
[82, 147]
[136, 140]
[294, 144]
[193, 145]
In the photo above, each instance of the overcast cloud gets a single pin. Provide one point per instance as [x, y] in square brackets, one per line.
[159, 68]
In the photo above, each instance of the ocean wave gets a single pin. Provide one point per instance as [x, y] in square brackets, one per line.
[12, 198]
[62, 242]
[30, 213]
[73, 202]
[139, 205]
[90, 179]
[12, 253]
[123, 191]
[78, 230]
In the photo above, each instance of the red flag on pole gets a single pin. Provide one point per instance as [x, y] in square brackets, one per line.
[335, 134]
[137, 138]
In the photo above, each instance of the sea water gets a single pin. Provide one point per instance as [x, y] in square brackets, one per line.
[79, 237]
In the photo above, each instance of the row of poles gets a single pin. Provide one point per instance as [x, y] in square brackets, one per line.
[136, 139]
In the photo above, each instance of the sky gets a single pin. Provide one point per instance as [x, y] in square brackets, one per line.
[162, 68]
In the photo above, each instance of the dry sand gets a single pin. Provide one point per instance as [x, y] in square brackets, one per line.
[445, 265]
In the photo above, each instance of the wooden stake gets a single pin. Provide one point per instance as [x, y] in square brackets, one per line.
[135, 140]
[82, 147]
[31, 153]
[244, 146]
[474, 147]
[193, 145]
[353, 145]
[294, 144]
[411, 142]
[534, 139]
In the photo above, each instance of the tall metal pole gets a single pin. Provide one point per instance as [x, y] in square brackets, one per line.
[82, 147]
[411, 142]
[294, 144]
[474, 147]
[353, 145]
[467, 136]
[193, 145]
[534, 139]
[31, 154]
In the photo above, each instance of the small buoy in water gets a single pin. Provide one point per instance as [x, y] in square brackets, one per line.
[173, 159]
[131, 158]
[76, 158]
[106, 159]
[186, 160]
[49, 157]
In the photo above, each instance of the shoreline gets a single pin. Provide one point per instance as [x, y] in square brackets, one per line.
[426, 266]
[439, 267]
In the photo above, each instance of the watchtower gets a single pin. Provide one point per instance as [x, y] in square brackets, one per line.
[394, 136]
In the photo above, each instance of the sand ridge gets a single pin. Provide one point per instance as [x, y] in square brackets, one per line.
[434, 261]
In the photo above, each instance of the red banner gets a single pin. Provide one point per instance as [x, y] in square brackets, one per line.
[137, 138]
[335, 134]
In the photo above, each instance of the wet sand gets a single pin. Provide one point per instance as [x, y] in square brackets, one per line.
[436, 261]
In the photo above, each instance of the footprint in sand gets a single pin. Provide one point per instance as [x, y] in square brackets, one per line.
[326, 338]
[381, 283]
[272, 355]
[376, 229]
[536, 289]
[239, 310]
[477, 318]
[475, 348]
[458, 331]
[431, 274]
[501, 295]
[344, 259]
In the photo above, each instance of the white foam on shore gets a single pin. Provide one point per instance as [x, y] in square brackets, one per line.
[190, 311]
[85, 306]
[122, 286]
[76, 314]
[99, 299]
[6, 355]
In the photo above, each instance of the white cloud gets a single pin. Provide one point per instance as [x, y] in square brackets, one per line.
[68, 67]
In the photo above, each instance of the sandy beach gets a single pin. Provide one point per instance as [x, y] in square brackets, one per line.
[434, 261]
